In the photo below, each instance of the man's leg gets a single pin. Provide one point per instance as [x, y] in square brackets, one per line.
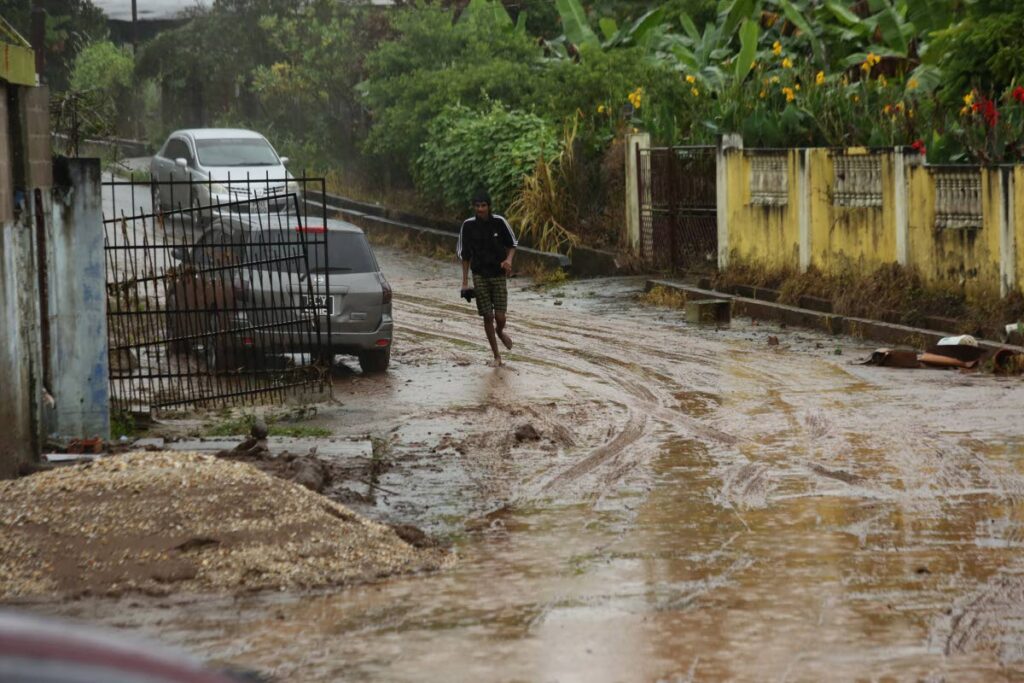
[485, 307]
[492, 338]
[499, 299]
[499, 318]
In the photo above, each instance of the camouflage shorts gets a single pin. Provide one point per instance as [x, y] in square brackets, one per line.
[491, 294]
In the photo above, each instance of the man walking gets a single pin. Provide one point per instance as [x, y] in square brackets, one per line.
[486, 246]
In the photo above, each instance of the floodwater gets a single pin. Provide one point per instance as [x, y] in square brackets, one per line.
[701, 506]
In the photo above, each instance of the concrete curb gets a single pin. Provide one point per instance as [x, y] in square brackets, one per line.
[830, 323]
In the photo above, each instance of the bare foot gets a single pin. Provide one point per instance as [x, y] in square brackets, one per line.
[506, 340]
[496, 363]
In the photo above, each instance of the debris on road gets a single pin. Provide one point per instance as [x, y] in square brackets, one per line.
[160, 523]
[951, 352]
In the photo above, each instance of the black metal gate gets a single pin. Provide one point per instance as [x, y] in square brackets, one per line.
[212, 291]
[678, 207]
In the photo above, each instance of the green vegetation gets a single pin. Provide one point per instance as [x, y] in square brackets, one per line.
[425, 101]
[122, 424]
[288, 423]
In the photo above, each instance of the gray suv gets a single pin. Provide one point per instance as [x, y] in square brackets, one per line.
[242, 293]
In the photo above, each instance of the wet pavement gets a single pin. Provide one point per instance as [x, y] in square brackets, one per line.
[696, 505]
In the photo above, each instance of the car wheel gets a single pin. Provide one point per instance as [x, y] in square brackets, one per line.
[371, 362]
[158, 204]
[217, 351]
[171, 318]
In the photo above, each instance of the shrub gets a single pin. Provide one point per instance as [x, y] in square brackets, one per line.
[494, 149]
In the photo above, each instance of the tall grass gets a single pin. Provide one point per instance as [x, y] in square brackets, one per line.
[544, 208]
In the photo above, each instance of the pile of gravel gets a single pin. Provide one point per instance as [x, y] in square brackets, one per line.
[161, 523]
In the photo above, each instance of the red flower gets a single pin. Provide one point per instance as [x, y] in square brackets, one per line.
[919, 147]
[990, 113]
[1018, 94]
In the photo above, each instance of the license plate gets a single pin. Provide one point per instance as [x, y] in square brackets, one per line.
[317, 304]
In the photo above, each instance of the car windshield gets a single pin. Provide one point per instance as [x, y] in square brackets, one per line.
[282, 250]
[236, 152]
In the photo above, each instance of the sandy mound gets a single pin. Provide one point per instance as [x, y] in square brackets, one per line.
[181, 522]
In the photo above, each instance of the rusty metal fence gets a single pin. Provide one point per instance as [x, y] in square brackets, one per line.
[212, 291]
[678, 207]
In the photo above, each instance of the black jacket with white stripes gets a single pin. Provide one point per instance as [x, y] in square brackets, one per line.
[485, 243]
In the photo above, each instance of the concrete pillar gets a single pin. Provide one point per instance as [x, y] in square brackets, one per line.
[77, 304]
[634, 142]
[728, 144]
[1007, 231]
[899, 193]
[804, 214]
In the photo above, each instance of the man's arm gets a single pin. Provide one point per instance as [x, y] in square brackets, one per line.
[506, 265]
[510, 241]
[463, 253]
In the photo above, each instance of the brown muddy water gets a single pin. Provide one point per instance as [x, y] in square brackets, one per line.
[699, 506]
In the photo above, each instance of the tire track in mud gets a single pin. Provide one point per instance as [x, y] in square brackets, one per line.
[597, 354]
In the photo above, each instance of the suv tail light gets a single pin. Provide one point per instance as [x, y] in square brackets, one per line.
[387, 289]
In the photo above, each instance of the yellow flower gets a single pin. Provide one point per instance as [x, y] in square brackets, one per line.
[695, 92]
[789, 93]
[636, 98]
[964, 111]
[764, 94]
[777, 48]
[774, 80]
[887, 110]
[912, 84]
[691, 79]
[882, 81]
[900, 107]
[871, 60]
[600, 109]
[787, 63]
[969, 99]
[797, 87]
[856, 99]
[820, 78]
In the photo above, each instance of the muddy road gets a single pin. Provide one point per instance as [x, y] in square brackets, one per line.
[634, 499]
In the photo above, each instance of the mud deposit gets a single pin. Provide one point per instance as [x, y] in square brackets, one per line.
[633, 499]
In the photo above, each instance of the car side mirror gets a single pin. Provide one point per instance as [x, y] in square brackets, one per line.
[284, 161]
[181, 162]
[180, 253]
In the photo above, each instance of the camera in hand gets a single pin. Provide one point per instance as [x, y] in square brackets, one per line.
[467, 294]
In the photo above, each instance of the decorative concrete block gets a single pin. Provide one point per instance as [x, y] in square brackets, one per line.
[769, 180]
[858, 181]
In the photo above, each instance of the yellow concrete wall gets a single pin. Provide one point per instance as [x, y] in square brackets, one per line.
[1018, 200]
[768, 235]
[840, 234]
[967, 258]
[867, 236]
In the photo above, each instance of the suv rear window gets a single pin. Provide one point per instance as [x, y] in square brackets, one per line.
[347, 252]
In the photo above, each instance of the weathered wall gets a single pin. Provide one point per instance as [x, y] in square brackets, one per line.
[77, 304]
[18, 340]
[762, 220]
[962, 225]
[19, 336]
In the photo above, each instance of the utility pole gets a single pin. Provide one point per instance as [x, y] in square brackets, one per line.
[39, 36]
[135, 27]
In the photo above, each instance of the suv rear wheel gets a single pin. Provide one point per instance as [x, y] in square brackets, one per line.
[375, 361]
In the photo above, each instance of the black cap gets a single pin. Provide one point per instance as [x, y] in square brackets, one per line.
[481, 197]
